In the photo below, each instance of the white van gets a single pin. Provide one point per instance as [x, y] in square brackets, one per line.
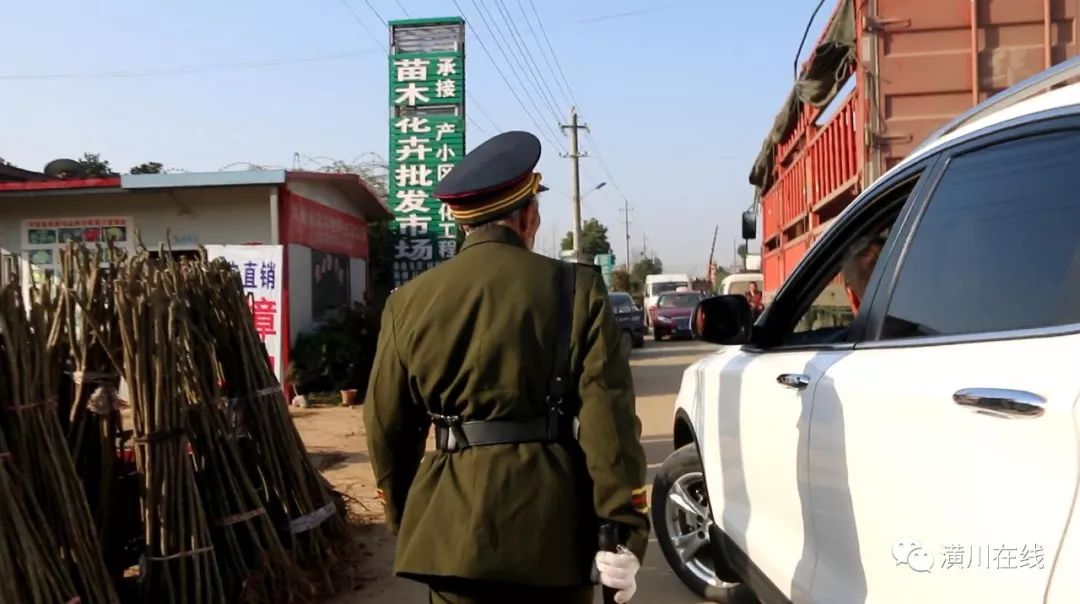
[739, 283]
[660, 284]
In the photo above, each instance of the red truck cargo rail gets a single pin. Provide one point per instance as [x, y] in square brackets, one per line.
[915, 64]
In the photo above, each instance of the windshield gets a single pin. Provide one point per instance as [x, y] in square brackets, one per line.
[679, 300]
[741, 287]
[667, 286]
[621, 301]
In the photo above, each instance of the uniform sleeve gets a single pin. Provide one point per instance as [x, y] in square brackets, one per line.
[396, 428]
[610, 432]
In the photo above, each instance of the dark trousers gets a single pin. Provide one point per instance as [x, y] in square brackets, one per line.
[479, 592]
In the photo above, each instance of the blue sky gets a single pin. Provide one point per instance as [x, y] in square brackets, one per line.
[678, 94]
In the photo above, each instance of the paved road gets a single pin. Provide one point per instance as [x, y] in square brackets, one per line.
[658, 372]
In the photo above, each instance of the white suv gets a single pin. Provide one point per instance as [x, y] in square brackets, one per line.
[921, 445]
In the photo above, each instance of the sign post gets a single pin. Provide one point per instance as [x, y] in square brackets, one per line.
[427, 138]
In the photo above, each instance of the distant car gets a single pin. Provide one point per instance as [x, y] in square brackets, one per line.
[631, 319]
[660, 284]
[673, 312]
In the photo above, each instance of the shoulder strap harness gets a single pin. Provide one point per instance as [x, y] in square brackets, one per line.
[453, 433]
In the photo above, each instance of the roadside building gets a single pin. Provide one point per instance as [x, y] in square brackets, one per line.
[299, 239]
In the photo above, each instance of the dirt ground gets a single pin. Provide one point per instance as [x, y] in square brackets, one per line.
[337, 444]
[336, 440]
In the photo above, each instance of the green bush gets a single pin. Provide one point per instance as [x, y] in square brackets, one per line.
[336, 356]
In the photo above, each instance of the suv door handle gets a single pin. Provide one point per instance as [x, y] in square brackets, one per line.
[797, 381]
[998, 402]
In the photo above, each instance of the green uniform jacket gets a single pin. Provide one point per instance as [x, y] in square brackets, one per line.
[475, 337]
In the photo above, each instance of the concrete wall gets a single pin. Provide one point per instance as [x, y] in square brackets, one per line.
[224, 215]
[299, 290]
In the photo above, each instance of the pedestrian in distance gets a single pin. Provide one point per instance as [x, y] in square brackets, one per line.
[513, 359]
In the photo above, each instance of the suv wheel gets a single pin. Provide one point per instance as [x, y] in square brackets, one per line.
[681, 518]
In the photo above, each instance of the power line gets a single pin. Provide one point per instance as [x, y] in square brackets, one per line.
[482, 11]
[806, 32]
[481, 110]
[476, 124]
[530, 62]
[506, 81]
[570, 92]
[604, 166]
[360, 22]
[631, 13]
[188, 69]
[403, 9]
[372, 7]
[551, 48]
[547, 61]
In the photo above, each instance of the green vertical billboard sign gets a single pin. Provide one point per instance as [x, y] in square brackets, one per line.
[427, 138]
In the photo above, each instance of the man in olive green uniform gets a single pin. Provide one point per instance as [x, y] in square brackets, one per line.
[532, 453]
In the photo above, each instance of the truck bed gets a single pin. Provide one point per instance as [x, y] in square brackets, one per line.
[916, 64]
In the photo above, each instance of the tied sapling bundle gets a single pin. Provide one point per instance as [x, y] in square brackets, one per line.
[295, 495]
[179, 564]
[33, 361]
[31, 570]
[95, 429]
[255, 565]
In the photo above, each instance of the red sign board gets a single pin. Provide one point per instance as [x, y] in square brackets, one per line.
[323, 228]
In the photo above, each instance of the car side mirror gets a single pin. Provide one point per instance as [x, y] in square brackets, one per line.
[723, 320]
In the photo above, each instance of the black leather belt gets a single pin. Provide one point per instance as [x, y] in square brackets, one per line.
[452, 434]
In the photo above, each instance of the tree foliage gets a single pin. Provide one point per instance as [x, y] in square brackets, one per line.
[645, 267]
[95, 167]
[620, 281]
[150, 167]
[594, 239]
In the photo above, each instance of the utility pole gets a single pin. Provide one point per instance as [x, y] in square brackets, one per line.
[712, 251]
[626, 225]
[575, 178]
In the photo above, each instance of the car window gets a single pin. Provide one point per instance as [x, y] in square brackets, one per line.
[678, 300]
[669, 286]
[998, 247]
[832, 305]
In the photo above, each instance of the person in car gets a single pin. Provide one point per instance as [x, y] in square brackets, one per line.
[754, 296]
[858, 266]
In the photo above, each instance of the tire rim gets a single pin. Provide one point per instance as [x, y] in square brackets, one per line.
[688, 520]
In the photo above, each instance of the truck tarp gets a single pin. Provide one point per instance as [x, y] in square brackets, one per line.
[821, 80]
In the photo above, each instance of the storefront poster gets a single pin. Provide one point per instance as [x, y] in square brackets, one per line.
[260, 268]
[43, 238]
[329, 283]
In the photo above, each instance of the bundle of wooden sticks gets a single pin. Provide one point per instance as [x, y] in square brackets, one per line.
[208, 496]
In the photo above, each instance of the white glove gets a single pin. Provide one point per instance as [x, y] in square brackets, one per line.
[618, 571]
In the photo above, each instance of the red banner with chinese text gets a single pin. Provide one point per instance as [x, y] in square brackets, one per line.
[319, 227]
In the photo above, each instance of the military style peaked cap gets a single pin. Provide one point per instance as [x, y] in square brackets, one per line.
[494, 179]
